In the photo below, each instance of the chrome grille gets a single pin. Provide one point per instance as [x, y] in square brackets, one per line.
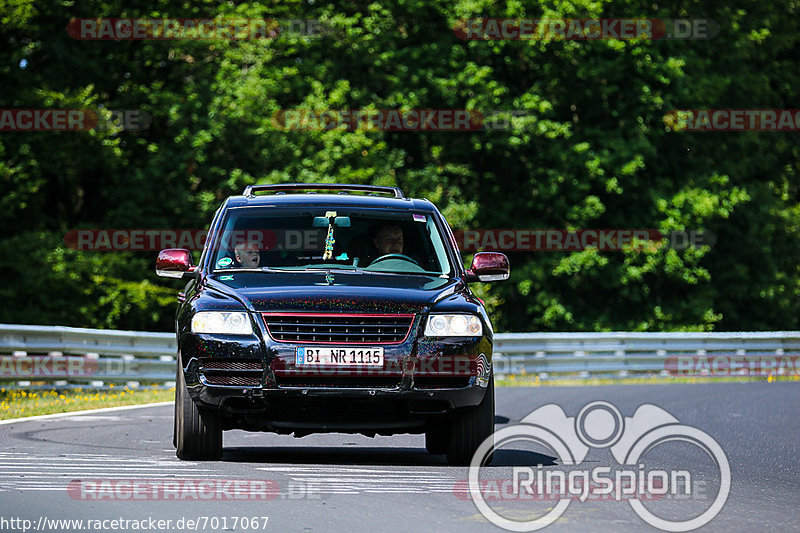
[338, 328]
[340, 382]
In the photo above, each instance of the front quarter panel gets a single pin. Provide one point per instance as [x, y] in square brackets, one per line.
[194, 346]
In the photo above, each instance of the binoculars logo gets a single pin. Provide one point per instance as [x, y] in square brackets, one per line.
[600, 425]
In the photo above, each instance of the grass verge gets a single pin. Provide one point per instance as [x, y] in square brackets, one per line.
[522, 380]
[19, 403]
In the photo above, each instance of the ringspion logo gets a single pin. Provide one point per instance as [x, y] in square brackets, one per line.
[600, 425]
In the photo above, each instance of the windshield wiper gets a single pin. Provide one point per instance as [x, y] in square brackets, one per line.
[404, 273]
[242, 269]
[317, 268]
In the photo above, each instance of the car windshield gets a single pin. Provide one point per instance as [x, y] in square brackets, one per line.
[264, 239]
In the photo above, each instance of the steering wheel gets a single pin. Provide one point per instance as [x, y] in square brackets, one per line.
[395, 256]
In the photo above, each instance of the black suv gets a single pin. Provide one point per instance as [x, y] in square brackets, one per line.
[332, 308]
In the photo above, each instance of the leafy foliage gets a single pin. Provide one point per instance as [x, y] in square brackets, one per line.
[593, 151]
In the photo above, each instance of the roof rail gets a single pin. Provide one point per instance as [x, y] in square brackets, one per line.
[251, 190]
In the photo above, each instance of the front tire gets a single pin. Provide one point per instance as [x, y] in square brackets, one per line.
[470, 427]
[178, 370]
[198, 433]
[436, 440]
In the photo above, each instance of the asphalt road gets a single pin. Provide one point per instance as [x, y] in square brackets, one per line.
[49, 469]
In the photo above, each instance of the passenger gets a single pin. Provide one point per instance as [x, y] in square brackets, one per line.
[247, 255]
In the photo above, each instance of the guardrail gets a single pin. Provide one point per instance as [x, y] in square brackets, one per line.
[624, 354]
[77, 357]
[72, 357]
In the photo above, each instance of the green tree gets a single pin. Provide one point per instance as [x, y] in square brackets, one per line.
[593, 151]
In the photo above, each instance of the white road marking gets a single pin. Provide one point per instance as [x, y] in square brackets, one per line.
[326, 468]
[323, 479]
[25, 472]
[85, 473]
[84, 412]
[94, 418]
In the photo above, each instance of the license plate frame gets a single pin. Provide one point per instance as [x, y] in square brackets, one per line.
[343, 356]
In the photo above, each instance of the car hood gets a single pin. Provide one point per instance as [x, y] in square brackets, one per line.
[334, 291]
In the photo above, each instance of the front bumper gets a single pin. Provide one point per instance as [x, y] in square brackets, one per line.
[303, 411]
[423, 381]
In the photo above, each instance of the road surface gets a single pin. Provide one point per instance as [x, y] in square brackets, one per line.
[83, 467]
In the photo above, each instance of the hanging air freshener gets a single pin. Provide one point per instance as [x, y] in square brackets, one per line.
[329, 240]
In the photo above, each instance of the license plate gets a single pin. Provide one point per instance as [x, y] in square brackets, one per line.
[339, 355]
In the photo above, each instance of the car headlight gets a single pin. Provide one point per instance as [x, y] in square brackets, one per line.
[222, 322]
[453, 326]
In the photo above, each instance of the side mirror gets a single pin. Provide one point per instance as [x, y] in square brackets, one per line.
[175, 263]
[488, 266]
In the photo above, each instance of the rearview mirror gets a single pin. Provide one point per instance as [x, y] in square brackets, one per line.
[175, 263]
[488, 266]
[339, 222]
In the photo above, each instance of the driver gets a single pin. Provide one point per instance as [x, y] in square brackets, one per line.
[388, 239]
